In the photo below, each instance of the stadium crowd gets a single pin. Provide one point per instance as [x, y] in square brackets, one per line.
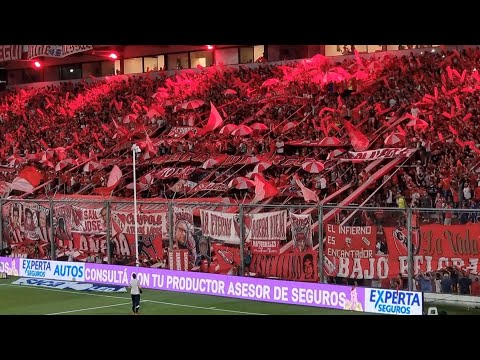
[75, 132]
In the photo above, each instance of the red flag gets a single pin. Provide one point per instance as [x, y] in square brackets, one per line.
[32, 175]
[453, 91]
[60, 151]
[263, 189]
[21, 184]
[359, 141]
[326, 109]
[449, 72]
[113, 180]
[118, 105]
[308, 194]
[457, 102]
[401, 131]
[100, 146]
[214, 120]
[339, 101]
[447, 115]
[454, 132]
[467, 117]
[440, 136]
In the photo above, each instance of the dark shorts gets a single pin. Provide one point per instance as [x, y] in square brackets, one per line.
[135, 300]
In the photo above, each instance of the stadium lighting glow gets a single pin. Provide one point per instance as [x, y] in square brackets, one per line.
[113, 56]
[71, 70]
[209, 47]
[433, 50]
[37, 64]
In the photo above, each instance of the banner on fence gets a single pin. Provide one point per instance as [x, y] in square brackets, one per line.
[301, 229]
[151, 225]
[26, 228]
[178, 260]
[184, 232]
[265, 246]
[220, 226]
[266, 226]
[349, 248]
[435, 247]
[289, 266]
[89, 220]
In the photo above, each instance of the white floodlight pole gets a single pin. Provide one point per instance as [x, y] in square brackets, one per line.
[136, 150]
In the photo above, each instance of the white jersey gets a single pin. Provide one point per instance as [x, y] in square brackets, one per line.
[134, 289]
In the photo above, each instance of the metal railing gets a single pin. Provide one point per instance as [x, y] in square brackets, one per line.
[364, 246]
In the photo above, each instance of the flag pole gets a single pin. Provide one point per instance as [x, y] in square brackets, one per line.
[135, 150]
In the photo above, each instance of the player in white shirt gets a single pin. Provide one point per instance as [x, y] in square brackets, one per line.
[135, 291]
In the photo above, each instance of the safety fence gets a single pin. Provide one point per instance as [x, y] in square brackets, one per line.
[416, 249]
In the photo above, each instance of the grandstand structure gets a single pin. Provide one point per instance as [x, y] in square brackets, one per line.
[390, 129]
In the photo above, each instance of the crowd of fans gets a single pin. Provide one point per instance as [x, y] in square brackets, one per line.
[94, 122]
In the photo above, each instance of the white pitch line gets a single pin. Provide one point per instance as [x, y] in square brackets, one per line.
[145, 300]
[201, 307]
[86, 309]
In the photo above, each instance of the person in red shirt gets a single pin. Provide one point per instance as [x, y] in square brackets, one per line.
[476, 195]
[456, 199]
[476, 287]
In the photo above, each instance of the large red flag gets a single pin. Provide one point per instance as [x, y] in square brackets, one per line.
[113, 180]
[308, 194]
[359, 141]
[214, 120]
[32, 175]
[263, 189]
